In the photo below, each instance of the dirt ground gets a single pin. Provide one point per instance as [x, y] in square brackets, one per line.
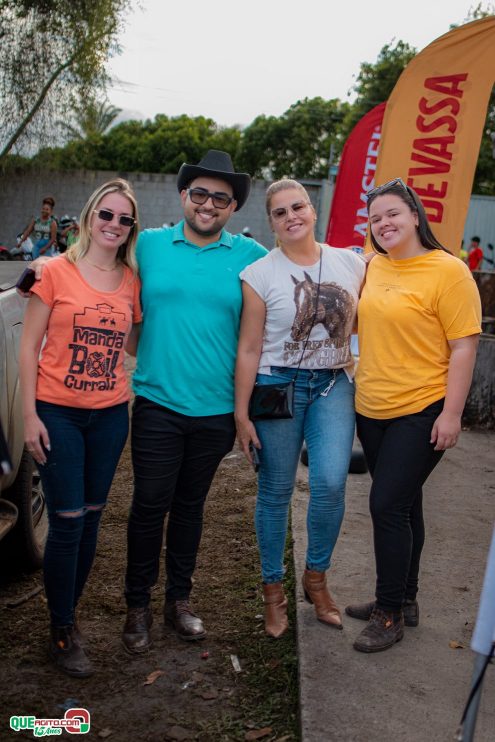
[196, 693]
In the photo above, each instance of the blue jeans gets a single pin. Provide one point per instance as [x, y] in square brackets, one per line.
[324, 418]
[85, 450]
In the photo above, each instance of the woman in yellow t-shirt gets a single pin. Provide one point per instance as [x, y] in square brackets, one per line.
[75, 396]
[419, 319]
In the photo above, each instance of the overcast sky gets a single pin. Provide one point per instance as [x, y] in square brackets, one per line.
[234, 60]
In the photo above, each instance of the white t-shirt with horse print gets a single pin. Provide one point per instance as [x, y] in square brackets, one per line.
[289, 292]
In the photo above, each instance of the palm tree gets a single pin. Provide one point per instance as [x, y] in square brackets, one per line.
[89, 120]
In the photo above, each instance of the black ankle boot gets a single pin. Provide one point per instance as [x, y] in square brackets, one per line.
[363, 611]
[68, 654]
[384, 629]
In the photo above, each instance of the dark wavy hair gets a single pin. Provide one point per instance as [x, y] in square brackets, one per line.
[409, 196]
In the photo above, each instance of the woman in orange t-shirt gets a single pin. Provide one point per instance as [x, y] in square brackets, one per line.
[75, 396]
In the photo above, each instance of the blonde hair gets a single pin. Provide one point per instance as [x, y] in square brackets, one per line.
[285, 184]
[127, 252]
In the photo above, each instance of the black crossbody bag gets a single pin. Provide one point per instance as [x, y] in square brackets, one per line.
[276, 401]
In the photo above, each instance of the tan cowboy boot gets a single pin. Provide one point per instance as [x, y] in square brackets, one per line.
[276, 622]
[316, 592]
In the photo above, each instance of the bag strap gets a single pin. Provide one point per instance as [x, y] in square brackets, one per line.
[314, 316]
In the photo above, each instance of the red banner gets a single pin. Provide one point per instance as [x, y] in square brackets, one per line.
[356, 176]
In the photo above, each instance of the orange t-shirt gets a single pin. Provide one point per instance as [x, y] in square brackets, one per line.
[82, 360]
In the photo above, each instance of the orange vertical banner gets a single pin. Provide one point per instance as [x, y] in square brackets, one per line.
[434, 122]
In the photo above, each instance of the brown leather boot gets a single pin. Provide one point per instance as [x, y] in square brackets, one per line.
[316, 592]
[276, 622]
[136, 635]
[188, 626]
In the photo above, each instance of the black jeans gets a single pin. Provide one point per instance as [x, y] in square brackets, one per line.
[174, 458]
[400, 458]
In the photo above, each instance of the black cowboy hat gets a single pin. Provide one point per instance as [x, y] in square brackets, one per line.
[216, 164]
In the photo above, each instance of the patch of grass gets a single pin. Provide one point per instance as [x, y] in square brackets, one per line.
[266, 691]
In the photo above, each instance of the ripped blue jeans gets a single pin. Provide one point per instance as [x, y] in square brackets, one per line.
[85, 449]
[324, 418]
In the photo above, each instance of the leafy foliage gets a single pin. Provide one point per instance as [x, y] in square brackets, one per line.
[52, 54]
[484, 177]
[90, 120]
[296, 144]
[376, 81]
[158, 146]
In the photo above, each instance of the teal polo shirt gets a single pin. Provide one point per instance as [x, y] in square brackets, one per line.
[192, 299]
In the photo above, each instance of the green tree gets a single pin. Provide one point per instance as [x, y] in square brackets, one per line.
[90, 120]
[484, 177]
[376, 80]
[160, 145]
[296, 144]
[51, 51]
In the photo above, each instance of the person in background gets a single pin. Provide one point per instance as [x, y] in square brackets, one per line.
[419, 319]
[44, 230]
[75, 396]
[298, 313]
[69, 235]
[475, 255]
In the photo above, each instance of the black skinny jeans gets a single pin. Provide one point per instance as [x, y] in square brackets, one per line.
[400, 458]
[174, 458]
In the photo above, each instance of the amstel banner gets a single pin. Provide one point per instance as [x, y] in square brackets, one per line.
[356, 176]
[434, 121]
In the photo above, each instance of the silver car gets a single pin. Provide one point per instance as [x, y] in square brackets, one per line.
[23, 517]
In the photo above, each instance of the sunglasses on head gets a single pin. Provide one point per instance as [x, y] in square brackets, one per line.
[281, 213]
[385, 186]
[200, 196]
[106, 216]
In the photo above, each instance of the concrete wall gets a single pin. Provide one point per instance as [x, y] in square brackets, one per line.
[21, 195]
[159, 203]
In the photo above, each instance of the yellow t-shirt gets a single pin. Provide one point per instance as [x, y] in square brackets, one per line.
[408, 311]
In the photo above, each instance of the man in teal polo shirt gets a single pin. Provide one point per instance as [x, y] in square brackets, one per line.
[182, 424]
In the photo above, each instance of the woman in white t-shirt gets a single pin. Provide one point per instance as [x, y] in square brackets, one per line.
[299, 310]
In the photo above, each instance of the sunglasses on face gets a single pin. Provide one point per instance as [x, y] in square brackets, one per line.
[385, 186]
[282, 213]
[200, 196]
[106, 216]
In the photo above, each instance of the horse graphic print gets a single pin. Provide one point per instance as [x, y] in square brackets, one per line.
[334, 312]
